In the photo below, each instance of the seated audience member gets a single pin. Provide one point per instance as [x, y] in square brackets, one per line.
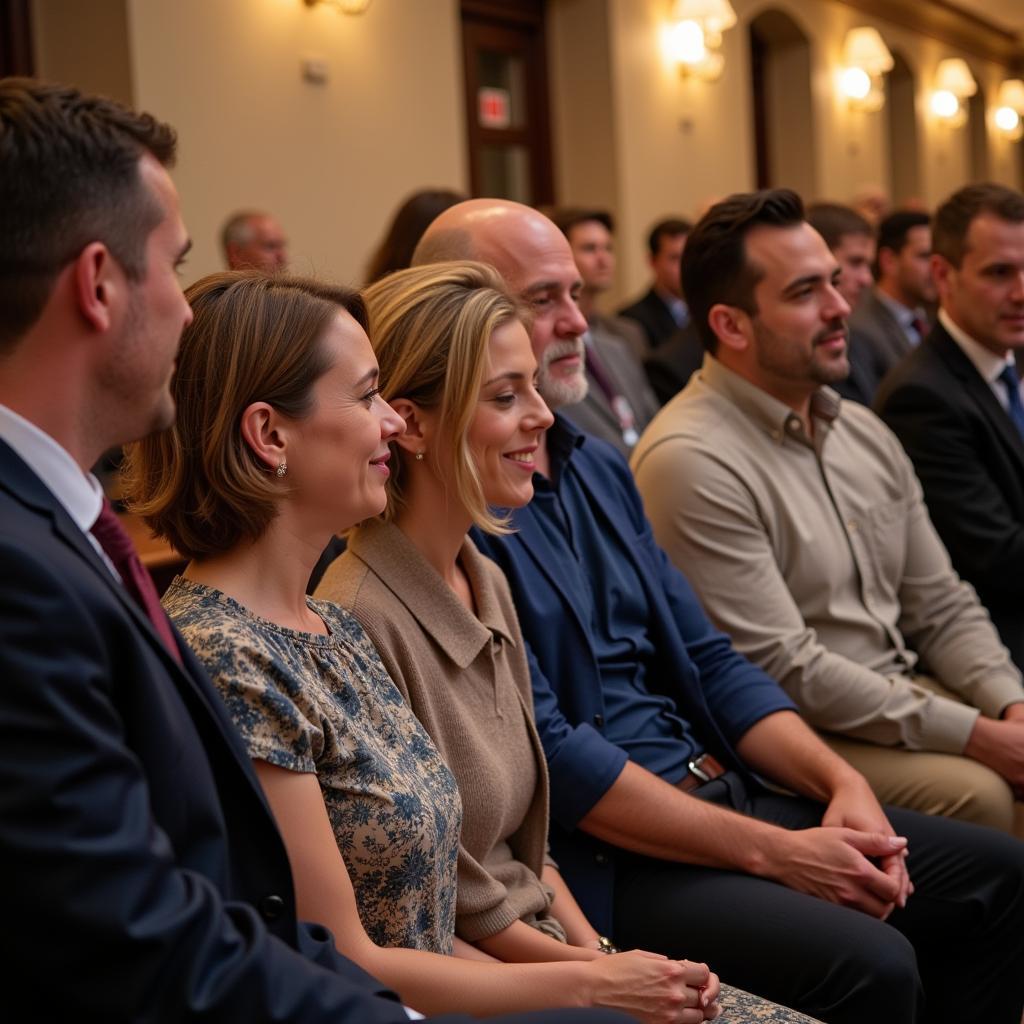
[653, 727]
[801, 525]
[253, 240]
[892, 318]
[281, 437]
[406, 229]
[148, 879]
[851, 240]
[674, 362]
[955, 404]
[457, 364]
[662, 310]
[619, 402]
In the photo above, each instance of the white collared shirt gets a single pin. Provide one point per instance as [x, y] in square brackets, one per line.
[988, 363]
[80, 493]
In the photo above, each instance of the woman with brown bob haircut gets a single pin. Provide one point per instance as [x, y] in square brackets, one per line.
[282, 439]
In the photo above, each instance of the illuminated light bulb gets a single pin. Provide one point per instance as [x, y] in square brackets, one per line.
[686, 42]
[945, 104]
[1007, 119]
[855, 83]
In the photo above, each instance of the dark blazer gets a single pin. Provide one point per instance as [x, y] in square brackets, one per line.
[594, 414]
[671, 365]
[717, 690]
[970, 460]
[145, 877]
[876, 344]
[653, 316]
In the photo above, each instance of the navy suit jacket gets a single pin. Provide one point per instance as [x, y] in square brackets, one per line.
[146, 879]
[716, 690]
[970, 460]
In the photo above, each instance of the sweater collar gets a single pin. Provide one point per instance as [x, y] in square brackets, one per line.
[403, 570]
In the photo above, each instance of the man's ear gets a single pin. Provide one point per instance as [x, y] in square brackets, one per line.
[942, 273]
[99, 285]
[731, 326]
[419, 426]
[263, 432]
[886, 261]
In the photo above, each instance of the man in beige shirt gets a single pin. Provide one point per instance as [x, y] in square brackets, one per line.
[800, 522]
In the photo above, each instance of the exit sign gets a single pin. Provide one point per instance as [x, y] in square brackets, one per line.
[493, 107]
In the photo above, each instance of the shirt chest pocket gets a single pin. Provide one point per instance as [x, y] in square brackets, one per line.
[883, 538]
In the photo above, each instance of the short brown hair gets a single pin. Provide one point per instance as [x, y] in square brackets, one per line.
[671, 227]
[565, 218]
[254, 338]
[70, 177]
[834, 222]
[715, 267]
[430, 327]
[953, 218]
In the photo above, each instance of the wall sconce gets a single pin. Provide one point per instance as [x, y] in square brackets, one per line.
[344, 6]
[694, 36]
[865, 59]
[954, 83]
[1009, 110]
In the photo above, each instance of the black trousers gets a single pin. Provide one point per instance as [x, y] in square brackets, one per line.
[955, 953]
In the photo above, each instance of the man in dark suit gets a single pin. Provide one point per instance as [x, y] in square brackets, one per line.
[891, 319]
[619, 403]
[663, 309]
[146, 877]
[956, 406]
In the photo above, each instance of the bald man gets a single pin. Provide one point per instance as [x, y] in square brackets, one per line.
[653, 726]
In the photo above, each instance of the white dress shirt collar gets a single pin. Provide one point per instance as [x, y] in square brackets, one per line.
[988, 363]
[80, 493]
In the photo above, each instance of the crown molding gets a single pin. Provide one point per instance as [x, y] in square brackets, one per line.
[949, 24]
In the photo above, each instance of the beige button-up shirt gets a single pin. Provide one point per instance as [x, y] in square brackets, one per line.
[817, 555]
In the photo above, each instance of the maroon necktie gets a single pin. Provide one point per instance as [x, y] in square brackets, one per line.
[121, 551]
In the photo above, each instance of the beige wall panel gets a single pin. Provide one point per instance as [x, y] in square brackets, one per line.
[331, 161]
[583, 128]
[680, 142]
[84, 44]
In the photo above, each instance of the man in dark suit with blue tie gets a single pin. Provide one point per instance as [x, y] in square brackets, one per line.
[146, 879]
[955, 403]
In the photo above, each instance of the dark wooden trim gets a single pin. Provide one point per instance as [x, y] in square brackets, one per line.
[515, 12]
[16, 57]
[514, 28]
[949, 24]
[758, 86]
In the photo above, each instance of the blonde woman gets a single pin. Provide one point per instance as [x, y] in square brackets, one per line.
[281, 438]
[456, 364]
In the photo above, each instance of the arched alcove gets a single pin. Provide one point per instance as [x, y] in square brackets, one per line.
[901, 131]
[780, 59]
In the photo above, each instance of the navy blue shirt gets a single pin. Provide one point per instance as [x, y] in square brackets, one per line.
[645, 725]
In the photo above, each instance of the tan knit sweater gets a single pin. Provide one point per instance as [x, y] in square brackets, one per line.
[466, 678]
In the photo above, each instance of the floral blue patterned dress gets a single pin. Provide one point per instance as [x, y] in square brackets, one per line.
[325, 704]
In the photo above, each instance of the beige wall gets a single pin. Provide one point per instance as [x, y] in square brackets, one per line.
[85, 44]
[331, 161]
[675, 143]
